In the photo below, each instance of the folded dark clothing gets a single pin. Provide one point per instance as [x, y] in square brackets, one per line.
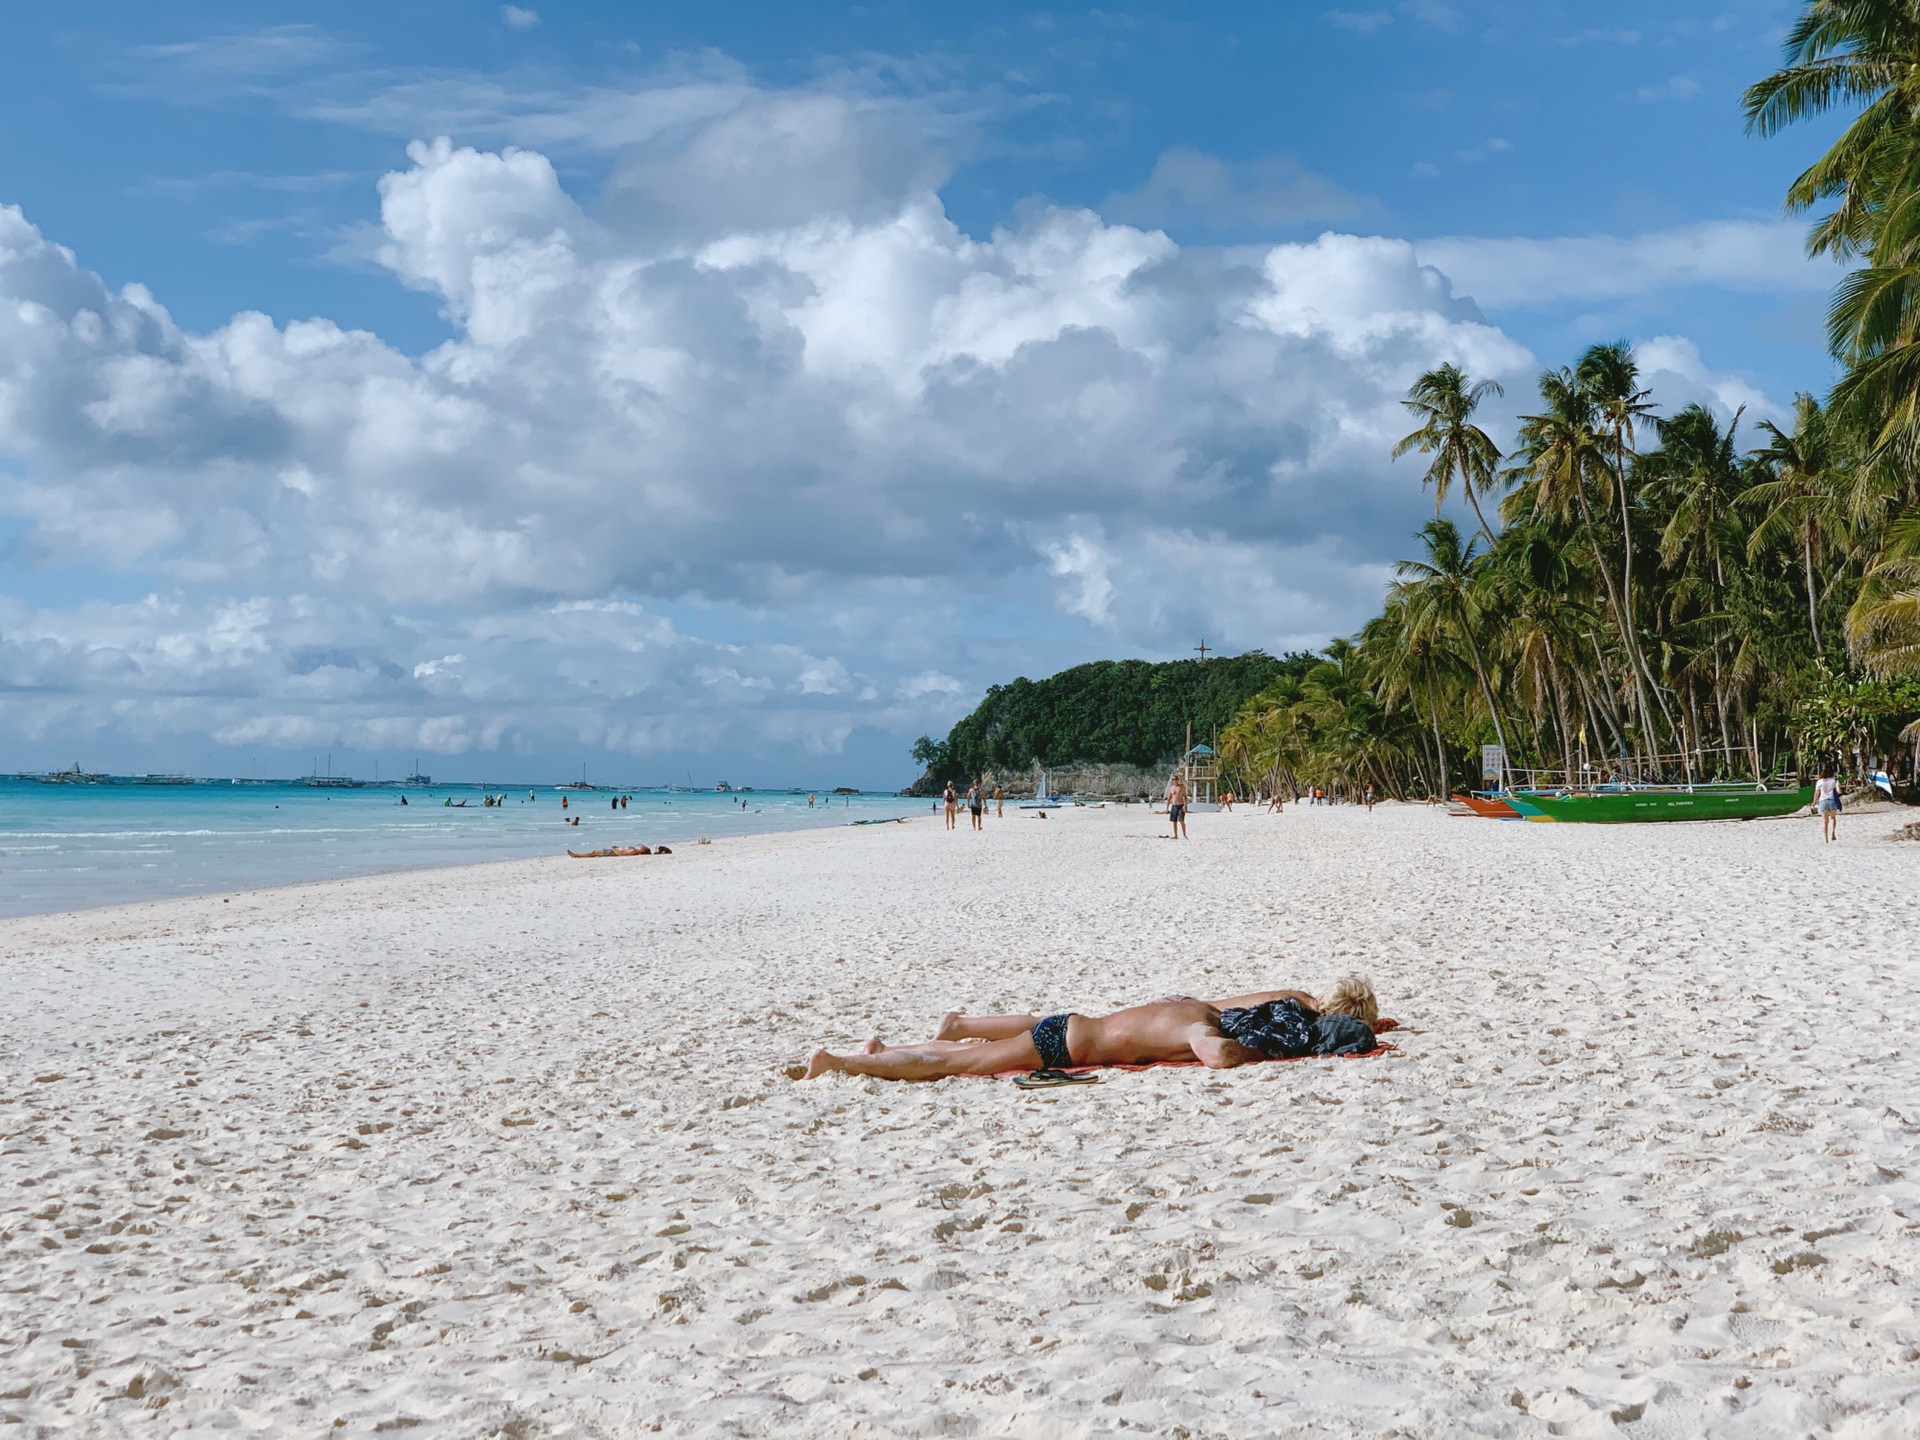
[1342, 1035]
[1279, 1029]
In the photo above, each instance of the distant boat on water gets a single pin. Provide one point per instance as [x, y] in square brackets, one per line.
[723, 788]
[329, 781]
[163, 780]
[75, 776]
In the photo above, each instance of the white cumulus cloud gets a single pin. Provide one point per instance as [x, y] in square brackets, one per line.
[715, 460]
[1760, 256]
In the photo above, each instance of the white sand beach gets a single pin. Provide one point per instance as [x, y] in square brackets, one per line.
[511, 1150]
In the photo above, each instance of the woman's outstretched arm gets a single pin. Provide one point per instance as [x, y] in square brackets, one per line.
[1244, 1002]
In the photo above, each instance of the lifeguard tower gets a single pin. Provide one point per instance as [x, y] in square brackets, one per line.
[1200, 768]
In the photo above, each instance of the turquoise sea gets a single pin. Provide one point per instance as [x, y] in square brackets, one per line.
[68, 846]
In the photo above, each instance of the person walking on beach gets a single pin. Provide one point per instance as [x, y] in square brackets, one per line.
[1177, 805]
[1369, 799]
[976, 803]
[1826, 802]
[999, 802]
[951, 801]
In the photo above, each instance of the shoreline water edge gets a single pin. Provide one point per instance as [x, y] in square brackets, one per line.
[76, 846]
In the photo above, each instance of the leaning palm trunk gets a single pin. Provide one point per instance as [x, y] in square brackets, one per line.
[1720, 704]
[1609, 707]
[1813, 610]
[1560, 709]
[1439, 745]
[1622, 621]
[1466, 484]
[1630, 631]
[1480, 671]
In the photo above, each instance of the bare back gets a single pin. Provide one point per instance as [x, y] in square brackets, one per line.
[1142, 1034]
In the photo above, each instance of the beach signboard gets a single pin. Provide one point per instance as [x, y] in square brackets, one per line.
[1493, 766]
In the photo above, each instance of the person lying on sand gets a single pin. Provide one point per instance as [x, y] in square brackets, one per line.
[612, 850]
[1221, 1035]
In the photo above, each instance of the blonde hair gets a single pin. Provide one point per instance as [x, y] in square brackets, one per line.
[1352, 996]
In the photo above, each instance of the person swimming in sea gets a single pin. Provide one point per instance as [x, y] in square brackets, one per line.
[1219, 1034]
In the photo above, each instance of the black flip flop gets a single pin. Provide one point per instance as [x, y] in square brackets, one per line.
[1047, 1079]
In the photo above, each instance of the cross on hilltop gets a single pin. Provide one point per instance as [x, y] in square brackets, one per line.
[1202, 648]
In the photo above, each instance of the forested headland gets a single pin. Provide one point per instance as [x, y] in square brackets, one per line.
[1110, 712]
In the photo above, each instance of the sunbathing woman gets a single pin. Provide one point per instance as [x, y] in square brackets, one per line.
[1176, 1028]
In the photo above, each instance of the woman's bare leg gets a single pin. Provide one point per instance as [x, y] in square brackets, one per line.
[877, 1046]
[955, 1026]
[924, 1062]
[955, 1029]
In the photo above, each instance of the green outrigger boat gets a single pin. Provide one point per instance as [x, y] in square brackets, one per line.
[1701, 802]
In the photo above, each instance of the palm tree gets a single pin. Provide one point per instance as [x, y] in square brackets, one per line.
[1884, 622]
[1562, 450]
[1535, 578]
[1264, 741]
[1691, 490]
[1412, 667]
[1802, 495]
[1444, 400]
[1846, 53]
[1442, 596]
[1866, 54]
[1610, 375]
[1697, 470]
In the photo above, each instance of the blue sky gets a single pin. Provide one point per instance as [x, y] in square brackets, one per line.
[917, 346]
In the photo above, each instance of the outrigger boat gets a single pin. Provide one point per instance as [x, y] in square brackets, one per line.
[1603, 795]
[1488, 806]
[1693, 802]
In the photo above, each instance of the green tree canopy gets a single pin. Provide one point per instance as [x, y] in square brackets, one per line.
[1112, 712]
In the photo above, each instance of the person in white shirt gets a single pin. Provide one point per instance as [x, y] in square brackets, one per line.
[1826, 801]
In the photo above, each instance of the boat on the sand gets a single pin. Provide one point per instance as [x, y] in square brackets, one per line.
[1489, 806]
[1626, 805]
